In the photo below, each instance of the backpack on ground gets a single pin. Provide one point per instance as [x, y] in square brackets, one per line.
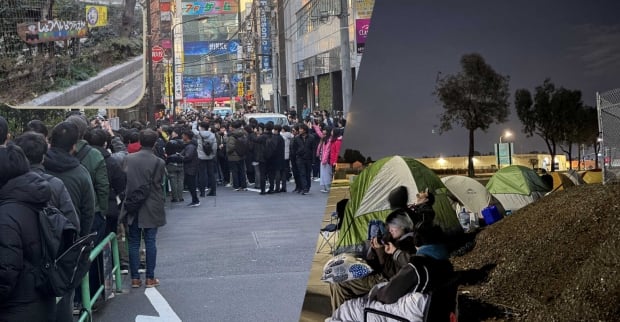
[207, 148]
[241, 145]
[64, 257]
[271, 145]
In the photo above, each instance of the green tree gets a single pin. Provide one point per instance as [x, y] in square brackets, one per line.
[552, 114]
[473, 99]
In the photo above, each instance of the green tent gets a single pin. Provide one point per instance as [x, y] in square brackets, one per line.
[369, 198]
[516, 186]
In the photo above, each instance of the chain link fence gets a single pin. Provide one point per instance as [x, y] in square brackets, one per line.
[48, 45]
[608, 106]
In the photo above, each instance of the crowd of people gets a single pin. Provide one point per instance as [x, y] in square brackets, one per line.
[110, 180]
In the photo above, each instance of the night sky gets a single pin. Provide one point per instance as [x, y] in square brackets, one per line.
[393, 111]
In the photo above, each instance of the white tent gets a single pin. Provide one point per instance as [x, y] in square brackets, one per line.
[470, 193]
[575, 177]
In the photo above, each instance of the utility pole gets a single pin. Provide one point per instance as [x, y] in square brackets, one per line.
[149, 60]
[275, 78]
[345, 58]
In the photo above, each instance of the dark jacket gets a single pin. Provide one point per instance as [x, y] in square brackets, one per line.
[20, 248]
[94, 163]
[190, 158]
[231, 143]
[259, 142]
[304, 147]
[422, 213]
[144, 168]
[389, 265]
[221, 140]
[61, 198]
[424, 273]
[117, 180]
[277, 160]
[77, 181]
[174, 148]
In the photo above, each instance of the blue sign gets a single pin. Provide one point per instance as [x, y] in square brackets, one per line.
[208, 86]
[199, 48]
[265, 36]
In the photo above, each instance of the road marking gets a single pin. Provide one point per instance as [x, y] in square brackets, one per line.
[161, 306]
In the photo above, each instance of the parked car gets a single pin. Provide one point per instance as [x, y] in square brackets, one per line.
[223, 111]
[276, 118]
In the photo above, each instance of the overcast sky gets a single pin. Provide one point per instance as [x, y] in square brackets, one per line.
[393, 111]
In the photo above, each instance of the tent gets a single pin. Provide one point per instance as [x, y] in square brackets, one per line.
[575, 177]
[561, 181]
[593, 176]
[369, 198]
[516, 186]
[470, 193]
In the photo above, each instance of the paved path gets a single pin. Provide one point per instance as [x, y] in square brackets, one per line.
[238, 257]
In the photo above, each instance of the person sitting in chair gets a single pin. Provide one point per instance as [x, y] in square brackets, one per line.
[406, 294]
[385, 262]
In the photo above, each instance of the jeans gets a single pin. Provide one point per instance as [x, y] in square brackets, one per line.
[224, 170]
[203, 175]
[238, 174]
[149, 235]
[296, 177]
[175, 177]
[211, 178]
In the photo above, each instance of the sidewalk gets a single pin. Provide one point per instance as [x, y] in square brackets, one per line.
[316, 305]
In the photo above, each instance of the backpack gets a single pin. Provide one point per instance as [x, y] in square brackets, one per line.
[241, 145]
[271, 145]
[64, 260]
[207, 148]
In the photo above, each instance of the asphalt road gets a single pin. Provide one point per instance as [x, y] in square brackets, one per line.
[239, 256]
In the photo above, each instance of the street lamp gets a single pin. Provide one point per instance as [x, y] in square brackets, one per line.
[506, 134]
[174, 70]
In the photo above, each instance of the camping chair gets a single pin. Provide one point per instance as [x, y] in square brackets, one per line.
[442, 305]
[329, 233]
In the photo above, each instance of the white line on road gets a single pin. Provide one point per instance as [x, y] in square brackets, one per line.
[161, 306]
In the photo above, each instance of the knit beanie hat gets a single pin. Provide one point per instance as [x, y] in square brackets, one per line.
[401, 219]
[398, 197]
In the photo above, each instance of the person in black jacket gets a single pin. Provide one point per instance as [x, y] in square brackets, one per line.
[190, 166]
[304, 152]
[174, 164]
[22, 193]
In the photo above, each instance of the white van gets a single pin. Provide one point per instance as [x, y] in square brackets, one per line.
[266, 117]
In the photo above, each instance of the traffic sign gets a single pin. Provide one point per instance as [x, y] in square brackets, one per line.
[157, 54]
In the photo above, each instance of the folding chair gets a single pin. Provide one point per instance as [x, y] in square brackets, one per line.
[329, 233]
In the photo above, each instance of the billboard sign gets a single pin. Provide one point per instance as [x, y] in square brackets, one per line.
[361, 33]
[197, 48]
[217, 7]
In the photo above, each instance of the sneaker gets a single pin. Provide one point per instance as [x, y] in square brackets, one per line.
[324, 190]
[305, 192]
[194, 204]
[317, 179]
[152, 282]
[228, 185]
[238, 189]
[136, 283]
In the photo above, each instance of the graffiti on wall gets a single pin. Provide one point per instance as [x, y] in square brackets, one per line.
[51, 30]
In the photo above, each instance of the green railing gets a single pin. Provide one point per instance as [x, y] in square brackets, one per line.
[87, 301]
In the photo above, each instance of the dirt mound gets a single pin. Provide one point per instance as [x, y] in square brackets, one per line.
[557, 259]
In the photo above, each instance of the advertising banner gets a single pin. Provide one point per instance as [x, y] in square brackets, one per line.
[207, 87]
[96, 16]
[361, 33]
[265, 36]
[216, 7]
[196, 48]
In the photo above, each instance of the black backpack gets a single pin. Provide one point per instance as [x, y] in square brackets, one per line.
[271, 145]
[65, 257]
[207, 148]
[241, 145]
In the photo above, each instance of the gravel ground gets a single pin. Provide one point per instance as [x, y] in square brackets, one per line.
[557, 259]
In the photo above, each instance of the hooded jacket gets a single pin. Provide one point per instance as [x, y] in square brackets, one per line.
[204, 137]
[78, 183]
[94, 163]
[20, 247]
[190, 158]
[60, 196]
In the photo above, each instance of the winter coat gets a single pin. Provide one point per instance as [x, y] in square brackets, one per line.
[144, 168]
[61, 198]
[221, 140]
[288, 137]
[119, 150]
[258, 143]
[231, 143]
[304, 147]
[335, 150]
[190, 158]
[95, 164]
[77, 180]
[277, 160]
[20, 248]
[174, 148]
[204, 137]
[117, 178]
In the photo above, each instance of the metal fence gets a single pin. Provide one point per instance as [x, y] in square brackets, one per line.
[608, 106]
